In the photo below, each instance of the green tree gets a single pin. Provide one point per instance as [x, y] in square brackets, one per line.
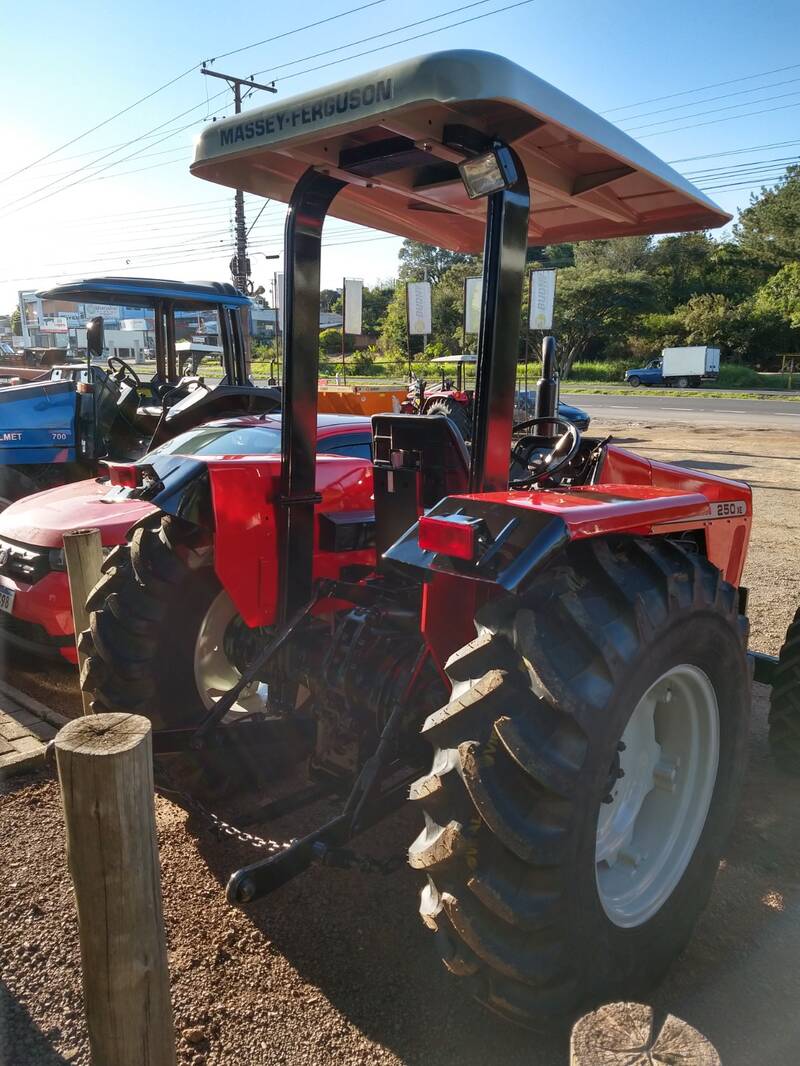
[557, 255]
[375, 303]
[781, 294]
[596, 309]
[740, 330]
[328, 297]
[394, 336]
[624, 254]
[681, 265]
[416, 258]
[16, 322]
[770, 227]
[330, 340]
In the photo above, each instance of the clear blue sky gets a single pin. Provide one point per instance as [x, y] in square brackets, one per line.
[66, 68]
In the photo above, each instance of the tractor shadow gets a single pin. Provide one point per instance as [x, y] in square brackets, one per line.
[21, 1040]
[358, 939]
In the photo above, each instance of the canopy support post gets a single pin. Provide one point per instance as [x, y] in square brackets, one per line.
[308, 207]
[505, 246]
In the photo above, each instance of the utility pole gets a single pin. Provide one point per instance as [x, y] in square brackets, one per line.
[240, 264]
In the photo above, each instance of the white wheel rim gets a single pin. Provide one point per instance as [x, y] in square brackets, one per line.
[214, 673]
[647, 835]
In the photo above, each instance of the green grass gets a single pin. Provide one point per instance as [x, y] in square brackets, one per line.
[587, 377]
[590, 389]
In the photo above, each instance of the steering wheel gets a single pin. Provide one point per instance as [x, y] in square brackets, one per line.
[124, 370]
[543, 461]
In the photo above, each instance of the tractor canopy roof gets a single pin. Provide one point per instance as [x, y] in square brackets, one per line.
[148, 292]
[396, 137]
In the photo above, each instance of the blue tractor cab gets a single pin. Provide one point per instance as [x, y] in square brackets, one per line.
[59, 427]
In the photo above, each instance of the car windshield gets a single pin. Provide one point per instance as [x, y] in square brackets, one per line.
[224, 440]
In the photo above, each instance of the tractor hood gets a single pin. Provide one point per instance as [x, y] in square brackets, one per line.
[396, 136]
[44, 518]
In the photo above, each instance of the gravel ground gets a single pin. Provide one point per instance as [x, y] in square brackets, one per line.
[336, 967]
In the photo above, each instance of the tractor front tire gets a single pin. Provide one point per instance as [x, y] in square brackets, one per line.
[620, 677]
[146, 612]
[453, 410]
[784, 704]
[158, 611]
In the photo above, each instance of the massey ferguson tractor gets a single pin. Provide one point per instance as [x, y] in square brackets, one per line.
[540, 641]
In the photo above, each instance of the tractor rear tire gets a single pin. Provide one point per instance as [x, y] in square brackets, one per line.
[526, 774]
[455, 411]
[784, 704]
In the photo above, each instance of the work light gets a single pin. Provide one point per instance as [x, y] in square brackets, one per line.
[488, 173]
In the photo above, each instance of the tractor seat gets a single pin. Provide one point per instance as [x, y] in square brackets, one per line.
[147, 417]
[149, 410]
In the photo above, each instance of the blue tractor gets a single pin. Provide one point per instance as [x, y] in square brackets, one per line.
[59, 427]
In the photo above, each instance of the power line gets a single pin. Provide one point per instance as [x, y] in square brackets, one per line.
[702, 88]
[373, 37]
[711, 111]
[280, 36]
[712, 99]
[734, 151]
[99, 125]
[716, 121]
[173, 81]
[134, 140]
[405, 40]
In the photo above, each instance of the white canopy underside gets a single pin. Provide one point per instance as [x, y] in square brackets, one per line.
[588, 179]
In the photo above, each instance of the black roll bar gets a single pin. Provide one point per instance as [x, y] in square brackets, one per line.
[505, 245]
[311, 198]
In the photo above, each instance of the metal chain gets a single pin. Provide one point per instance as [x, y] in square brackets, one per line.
[222, 827]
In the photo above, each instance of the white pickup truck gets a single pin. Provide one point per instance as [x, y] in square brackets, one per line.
[680, 367]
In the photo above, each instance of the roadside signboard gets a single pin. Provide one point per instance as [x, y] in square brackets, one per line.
[54, 325]
[418, 295]
[353, 292]
[473, 288]
[542, 299]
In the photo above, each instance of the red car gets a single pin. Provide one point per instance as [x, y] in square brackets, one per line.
[35, 611]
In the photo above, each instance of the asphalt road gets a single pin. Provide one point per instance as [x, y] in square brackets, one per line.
[696, 410]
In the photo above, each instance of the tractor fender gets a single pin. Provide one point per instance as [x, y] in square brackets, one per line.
[236, 499]
[38, 423]
[519, 532]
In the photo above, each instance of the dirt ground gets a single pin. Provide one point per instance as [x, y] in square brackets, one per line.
[337, 968]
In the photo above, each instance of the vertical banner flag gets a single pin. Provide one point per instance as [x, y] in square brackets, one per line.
[352, 305]
[473, 288]
[279, 299]
[418, 294]
[543, 295]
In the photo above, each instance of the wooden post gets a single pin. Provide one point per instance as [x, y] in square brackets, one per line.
[622, 1034]
[83, 551]
[105, 768]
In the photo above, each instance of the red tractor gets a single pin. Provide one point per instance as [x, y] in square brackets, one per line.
[560, 623]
